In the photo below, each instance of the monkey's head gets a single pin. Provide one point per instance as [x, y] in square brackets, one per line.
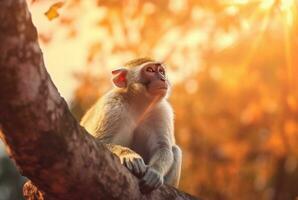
[143, 75]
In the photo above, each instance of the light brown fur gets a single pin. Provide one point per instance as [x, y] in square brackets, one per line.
[136, 126]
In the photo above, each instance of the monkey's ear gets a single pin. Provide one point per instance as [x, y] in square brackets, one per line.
[120, 77]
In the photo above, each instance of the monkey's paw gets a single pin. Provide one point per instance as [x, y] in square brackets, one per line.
[151, 180]
[135, 165]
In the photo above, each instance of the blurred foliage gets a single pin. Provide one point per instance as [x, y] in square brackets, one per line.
[234, 68]
[236, 103]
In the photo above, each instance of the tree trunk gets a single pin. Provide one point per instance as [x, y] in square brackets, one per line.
[46, 142]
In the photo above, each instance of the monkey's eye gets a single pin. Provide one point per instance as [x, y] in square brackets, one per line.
[149, 69]
[162, 71]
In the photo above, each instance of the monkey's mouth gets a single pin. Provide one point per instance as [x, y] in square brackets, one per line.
[162, 88]
[160, 91]
[158, 88]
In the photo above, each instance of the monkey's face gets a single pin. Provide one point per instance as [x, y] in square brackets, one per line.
[148, 78]
[153, 76]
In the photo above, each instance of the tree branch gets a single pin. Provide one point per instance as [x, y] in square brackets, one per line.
[44, 139]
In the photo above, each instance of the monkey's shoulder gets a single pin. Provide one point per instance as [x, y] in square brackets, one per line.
[111, 100]
[161, 114]
[112, 106]
[107, 105]
[164, 108]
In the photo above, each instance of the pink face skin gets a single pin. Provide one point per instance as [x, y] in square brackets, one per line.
[154, 77]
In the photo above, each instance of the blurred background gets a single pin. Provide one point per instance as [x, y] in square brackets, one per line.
[234, 69]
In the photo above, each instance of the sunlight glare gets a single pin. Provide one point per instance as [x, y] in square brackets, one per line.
[286, 4]
[232, 10]
[287, 7]
[240, 1]
[267, 4]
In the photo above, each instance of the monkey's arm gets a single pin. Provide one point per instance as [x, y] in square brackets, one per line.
[162, 139]
[161, 157]
[159, 144]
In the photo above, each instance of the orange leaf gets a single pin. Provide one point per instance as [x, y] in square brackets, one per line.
[52, 13]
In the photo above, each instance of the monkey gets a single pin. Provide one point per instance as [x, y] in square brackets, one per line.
[136, 122]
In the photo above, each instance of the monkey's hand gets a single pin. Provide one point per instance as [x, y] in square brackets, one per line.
[151, 180]
[135, 164]
[130, 159]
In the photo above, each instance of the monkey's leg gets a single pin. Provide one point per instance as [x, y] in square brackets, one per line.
[173, 176]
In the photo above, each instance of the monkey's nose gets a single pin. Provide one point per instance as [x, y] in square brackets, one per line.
[162, 78]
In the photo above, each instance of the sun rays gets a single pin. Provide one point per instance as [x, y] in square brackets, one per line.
[265, 13]
[288, 11]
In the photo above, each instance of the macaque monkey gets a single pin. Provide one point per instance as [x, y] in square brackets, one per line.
[135, 121]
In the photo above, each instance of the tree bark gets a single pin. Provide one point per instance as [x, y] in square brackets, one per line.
[46, 142]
